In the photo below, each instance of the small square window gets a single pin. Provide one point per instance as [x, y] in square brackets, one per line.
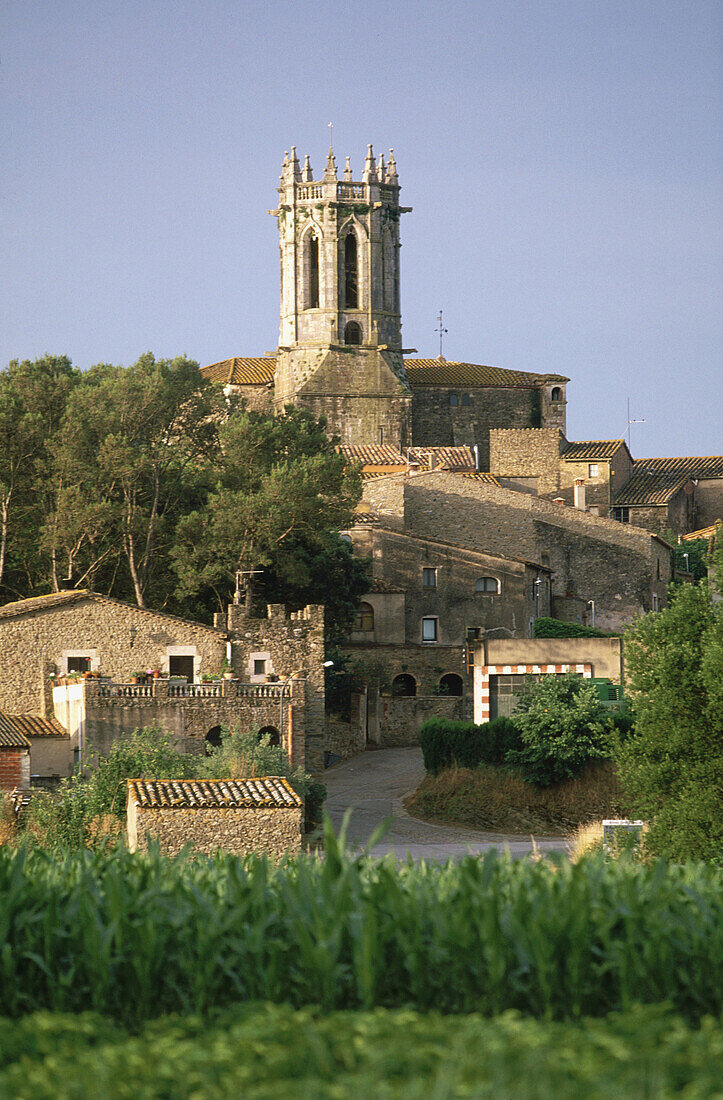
[259, 668]
[429, 630]
[78, 664]
[429, 578]
[593, 470]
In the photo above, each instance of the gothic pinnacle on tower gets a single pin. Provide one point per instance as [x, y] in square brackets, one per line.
[330, 171]
[369, 175]
[307, 174]
[392, 176]
[295, 169]
[347, 171]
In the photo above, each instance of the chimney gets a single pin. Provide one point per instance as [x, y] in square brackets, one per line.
[580, 493]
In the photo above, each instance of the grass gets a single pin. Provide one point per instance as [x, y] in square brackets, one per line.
[268, 1051]
[499, 800]
[136, 936]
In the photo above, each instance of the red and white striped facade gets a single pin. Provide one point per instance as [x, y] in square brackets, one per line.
[483, 673]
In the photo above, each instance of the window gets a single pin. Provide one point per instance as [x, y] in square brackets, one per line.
[622, 515]
[352, 333]
[78, 664]
[466, 399]
[658, 568]
[351, 278]
[593, 470]
[429, 629]
[346, 538]
[259, 667]
[453, 400]
[429, 578]
[181, 666]
[556, 394]
[487, 584]
[404, 686]
[656, 602]
[311, 271]
[272, 733]
[364, 617]
[450, 684]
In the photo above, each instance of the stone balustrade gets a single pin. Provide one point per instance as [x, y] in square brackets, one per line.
[161, 689]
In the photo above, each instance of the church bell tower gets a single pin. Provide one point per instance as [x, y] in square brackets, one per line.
[340, 347]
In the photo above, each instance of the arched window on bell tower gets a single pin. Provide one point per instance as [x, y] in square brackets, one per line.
[389, 274]
[352, 333]
[311, 271]
[351, 273]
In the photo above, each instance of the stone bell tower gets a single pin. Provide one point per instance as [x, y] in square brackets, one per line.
[340, 347]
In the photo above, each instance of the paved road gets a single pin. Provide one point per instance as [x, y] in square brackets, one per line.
[375, 783]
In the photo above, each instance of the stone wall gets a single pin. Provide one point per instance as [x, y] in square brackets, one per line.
[242, 831]
[678, 515]
[51, 756]
[617, 565]
[400, 719]
[708, 502]
[35, 643]
[528, 453]
[436, 423]
[258, 398]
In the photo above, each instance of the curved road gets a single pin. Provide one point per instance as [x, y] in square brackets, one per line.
[373, 786]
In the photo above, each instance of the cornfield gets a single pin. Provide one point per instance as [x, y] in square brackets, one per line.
[135, 936]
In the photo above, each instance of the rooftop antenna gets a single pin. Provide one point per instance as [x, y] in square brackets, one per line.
[441, 330]
[641, 421]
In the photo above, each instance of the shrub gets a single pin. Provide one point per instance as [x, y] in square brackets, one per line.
[545, 627]
[446, 742]
[563, 726]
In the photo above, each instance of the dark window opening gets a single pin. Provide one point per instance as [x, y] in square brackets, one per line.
[78, 664]
[259, 667]
[313, 291]
[466, 399]
[404, 686]
[429, 578]
[429, 630]
[453, 400]
[487, 584]
[181, 666]
[556, 394]
[352, 333]
[622, 515]
[351, 277]
[451, 684]
[272, 733]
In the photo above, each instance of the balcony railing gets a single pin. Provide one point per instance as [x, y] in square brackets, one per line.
[162, 689]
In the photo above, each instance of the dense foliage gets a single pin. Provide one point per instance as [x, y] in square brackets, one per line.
[446, 743]
[136, 936]
[563, 726]
[268, 1051]
[116, 477]
[545, 627]
[672, 765]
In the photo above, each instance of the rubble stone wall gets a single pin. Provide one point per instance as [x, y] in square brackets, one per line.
[242, 831]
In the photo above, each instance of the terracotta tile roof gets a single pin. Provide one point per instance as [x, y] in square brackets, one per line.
[707, 466]
[10, 737]
[650, 487]
[445, 458]
[32, 725]
[591, 449]
[242, 371]
[363, 514]
[703, 533]
[41, 603]
[444, 372]
[189, 794]
[488, 479]
[373, 454]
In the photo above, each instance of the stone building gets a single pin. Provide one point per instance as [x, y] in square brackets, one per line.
[73, 656]
[243, 816]
[674, 494]
[14, 756]
[340, 350]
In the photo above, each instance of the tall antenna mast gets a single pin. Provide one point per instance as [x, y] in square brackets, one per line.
[441, 330]
[641, 421]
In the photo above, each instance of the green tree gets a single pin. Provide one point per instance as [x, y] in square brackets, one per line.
[281, 493]
[562, 726]
[671, 767]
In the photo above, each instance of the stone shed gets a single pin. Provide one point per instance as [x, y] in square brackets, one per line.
[241, 816]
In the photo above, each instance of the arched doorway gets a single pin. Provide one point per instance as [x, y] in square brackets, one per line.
[451, 684]
[352, 333]
[212, 740]
[404, 686]
[273, 735]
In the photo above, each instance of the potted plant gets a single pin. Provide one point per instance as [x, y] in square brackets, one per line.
[226, 670]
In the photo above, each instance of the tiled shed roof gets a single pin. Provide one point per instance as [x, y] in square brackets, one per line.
[449, 458]
[707, 466]
[488, 479]
[269, 792]
[41, 603]
[445, 372]
[647, 486]
[10, 737]
[591, 449]
[702, 533]
[373, 454]
[383, 587]
[242, 371]
[32, 725]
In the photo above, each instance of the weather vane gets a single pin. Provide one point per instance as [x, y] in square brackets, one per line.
[331, 135]
[441, 330]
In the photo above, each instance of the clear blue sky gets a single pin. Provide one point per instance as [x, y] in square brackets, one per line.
[562, 159]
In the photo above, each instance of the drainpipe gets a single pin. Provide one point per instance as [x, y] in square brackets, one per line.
[591, 605]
